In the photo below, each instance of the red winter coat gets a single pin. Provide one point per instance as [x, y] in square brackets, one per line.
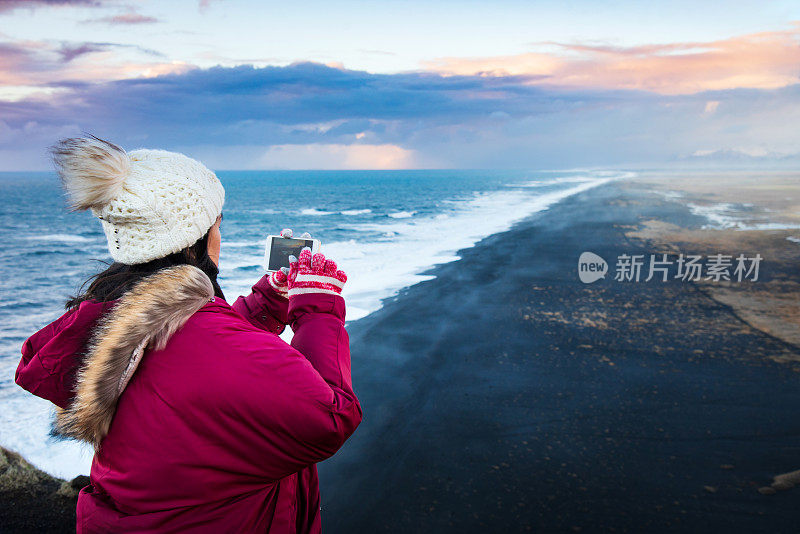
[221, 429]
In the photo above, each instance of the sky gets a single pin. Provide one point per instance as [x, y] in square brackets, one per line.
[406, 84]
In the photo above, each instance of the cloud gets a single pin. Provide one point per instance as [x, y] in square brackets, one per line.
[336, 156]
[302, 156]
[711, 106]
[69, 52]
[47, 64]
[311, 115]
[306, 93]
[765, 60]
[130, 17]
[10, 5]
[752, 156]
[376, 52]
[202, 5]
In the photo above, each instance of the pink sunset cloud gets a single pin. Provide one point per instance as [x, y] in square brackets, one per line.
[764, 60]
[130, 17]
[44, 63]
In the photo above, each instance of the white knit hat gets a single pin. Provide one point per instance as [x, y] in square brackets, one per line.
[151, 203]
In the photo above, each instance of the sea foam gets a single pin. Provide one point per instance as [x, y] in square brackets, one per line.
[64, 238]
[379, 269]
[736, 217]
[363, 211]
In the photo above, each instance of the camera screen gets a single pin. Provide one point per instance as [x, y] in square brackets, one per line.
[282, 248]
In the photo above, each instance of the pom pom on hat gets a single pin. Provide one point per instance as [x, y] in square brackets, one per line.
[92, 170]
[151, 203]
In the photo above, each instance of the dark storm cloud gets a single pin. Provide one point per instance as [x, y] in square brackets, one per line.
[299, 94]
[462, 120]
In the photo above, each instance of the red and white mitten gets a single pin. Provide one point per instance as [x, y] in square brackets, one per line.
[314, 275]
[280, 278]
[279, 281]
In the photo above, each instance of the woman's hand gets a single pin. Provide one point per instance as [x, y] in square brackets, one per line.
[279, 282]
[279, 279]
[314, 275]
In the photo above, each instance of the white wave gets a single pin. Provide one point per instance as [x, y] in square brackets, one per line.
[769, 226]
[580, 178]
[64, 238]
[22, 328]
[718, 215]
[25, 428]
[552, 181]
[615, 175]
[239, 244]
[241, 260]
[315, 211]
[401, 214]
[356, 212]
[379, 269]
[729, 216]
[240, 269]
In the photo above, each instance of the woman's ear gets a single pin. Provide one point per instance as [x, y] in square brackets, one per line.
[214, 241]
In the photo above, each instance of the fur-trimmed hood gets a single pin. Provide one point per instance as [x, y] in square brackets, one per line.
[145, 317]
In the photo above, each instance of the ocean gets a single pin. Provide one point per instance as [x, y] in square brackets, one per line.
[384, 228]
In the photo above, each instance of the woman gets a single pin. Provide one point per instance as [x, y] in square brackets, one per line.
[201, 417]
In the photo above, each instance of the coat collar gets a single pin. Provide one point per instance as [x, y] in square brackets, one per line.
[144, 317]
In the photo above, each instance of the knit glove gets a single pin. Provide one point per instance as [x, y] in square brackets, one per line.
[314, 275]
[279, 281]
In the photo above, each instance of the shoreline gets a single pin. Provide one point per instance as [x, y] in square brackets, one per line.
[591, 408]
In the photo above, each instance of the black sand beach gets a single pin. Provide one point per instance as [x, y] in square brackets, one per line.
[507, 396]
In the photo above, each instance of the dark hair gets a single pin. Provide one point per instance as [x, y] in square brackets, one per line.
[118, 278]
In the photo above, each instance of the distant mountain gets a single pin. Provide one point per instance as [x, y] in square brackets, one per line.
[741, 158]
